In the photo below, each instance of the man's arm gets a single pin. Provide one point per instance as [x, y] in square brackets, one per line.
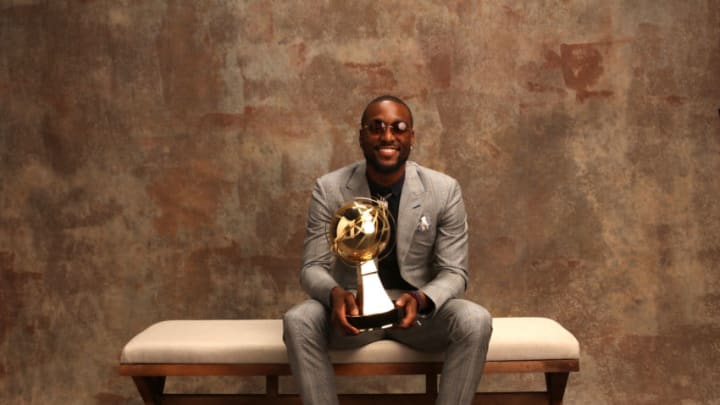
[451, 251]
[315, 277]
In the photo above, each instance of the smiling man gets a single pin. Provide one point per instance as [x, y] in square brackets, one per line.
[425, 271]
[386, 138]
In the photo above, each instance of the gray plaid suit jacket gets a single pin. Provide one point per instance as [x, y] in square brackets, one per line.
[432, 258]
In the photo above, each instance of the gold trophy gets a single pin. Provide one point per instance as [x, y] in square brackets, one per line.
[359, 233]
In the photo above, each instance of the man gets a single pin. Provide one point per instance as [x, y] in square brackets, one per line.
[426, 273]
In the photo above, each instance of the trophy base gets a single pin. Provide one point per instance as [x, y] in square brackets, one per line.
[375, 321]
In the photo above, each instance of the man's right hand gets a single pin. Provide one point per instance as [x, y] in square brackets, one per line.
[343, 304]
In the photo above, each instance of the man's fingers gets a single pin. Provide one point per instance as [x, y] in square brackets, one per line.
[351, 330]
[345, 326]
[408, 302]
[343, 305]
[340, 321]
[351, 307]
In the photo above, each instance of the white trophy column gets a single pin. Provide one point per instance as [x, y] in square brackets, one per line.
[374, 298]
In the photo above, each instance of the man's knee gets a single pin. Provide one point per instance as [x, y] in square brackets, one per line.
[305, 319]
[471, 320]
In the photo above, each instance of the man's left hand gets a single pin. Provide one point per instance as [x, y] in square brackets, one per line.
[410, 305]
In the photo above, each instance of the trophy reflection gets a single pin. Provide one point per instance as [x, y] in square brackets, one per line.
[358, 234]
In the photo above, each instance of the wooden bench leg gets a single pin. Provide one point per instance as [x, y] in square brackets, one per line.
[272, 385]
[431, 382]
[150, 388]
[556, 383]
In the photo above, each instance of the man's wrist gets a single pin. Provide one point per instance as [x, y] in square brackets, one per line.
[332, 295]
[425, 305]
[417, 295]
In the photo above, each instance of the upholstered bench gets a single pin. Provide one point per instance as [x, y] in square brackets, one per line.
[256, 348]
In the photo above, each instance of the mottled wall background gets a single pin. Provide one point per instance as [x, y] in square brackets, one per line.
[156, 159]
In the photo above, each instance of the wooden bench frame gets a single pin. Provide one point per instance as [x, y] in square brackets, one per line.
[150, 381]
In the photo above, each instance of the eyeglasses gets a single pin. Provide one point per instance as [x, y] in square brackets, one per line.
[377, 127]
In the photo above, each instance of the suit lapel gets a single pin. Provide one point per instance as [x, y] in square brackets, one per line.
[409, 211]
[356, 185]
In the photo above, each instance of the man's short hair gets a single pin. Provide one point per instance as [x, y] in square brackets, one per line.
[385, 98]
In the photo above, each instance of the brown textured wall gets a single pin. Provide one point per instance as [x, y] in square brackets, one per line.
[156, 160]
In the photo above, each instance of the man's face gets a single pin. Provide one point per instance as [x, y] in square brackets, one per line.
[387, 136]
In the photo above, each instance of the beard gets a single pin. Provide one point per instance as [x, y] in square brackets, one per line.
[380, 167]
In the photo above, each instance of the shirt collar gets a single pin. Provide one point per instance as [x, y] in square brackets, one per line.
[395, 188]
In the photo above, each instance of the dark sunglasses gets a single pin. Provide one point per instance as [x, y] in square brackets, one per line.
[377, 127]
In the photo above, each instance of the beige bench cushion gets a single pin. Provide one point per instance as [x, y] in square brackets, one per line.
[260, 341]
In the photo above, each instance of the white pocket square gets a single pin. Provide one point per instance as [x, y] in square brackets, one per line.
[424, 224]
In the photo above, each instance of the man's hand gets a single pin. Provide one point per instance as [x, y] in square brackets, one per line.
[410, 305]
[343, 304]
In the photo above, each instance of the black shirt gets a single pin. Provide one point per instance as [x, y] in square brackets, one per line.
[388, 267]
